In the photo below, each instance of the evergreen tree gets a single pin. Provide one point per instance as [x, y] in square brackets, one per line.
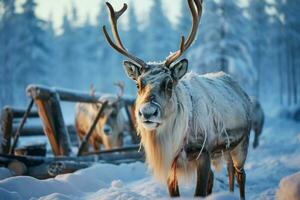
[8, 48]
[224, 44]
[161, 38]
[33, 55]
[258, 37]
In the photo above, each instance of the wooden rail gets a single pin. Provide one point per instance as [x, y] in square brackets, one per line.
[8, 116]
[47, 101]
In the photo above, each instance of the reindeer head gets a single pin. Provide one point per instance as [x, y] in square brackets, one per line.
[155, 82]
[111, 120]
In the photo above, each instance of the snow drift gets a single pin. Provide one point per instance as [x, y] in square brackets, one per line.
[289, 188]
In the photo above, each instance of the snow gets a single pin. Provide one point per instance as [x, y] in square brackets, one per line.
[4, 173]
[289, 187]
[268, 171]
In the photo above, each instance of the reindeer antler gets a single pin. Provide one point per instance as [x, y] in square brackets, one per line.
[121, 86]
[114, 16]
[196, 11]
[92, 91]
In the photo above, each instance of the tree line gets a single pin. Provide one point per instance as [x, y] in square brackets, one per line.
[258, 44]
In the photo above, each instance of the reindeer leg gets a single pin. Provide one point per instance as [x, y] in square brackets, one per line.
[238, 155]
[96, 145]
[203, 171]
[241, 179]
[256, 139]
[173, 187]
[210, 182]
[230, 172]
[81, 136]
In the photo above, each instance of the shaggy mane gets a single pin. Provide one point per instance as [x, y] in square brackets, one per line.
[207, 106]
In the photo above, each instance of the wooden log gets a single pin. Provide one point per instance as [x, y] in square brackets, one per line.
[17, 168]
[19, 112]
[122, 149]
[8, 116]
[62, 134]
[62, 167]
[37, 130]
[47, 167]
[42, 92]
[39, 171]
[6, 129]
[51, 115]
[29, 130]
[32, 150]
[113, 158]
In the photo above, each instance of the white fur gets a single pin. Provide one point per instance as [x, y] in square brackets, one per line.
[198, 102]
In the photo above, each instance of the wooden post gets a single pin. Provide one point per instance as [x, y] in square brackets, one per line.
[47, 102]
[6, 129]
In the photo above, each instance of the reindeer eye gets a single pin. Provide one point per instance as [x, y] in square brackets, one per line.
[137, 86]
[169, 85]
[113, 114]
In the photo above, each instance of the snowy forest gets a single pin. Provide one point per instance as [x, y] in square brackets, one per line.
[258, 44]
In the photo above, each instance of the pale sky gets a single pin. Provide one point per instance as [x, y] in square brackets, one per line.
[57, 8]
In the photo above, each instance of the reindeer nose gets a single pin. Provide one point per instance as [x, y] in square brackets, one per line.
[148, 111]
[107, 129]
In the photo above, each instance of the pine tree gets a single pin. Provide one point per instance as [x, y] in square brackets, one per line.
[33, 55]
[70, 58]
[160, 35]
[258, 37]
[223, 43]
[8, 47]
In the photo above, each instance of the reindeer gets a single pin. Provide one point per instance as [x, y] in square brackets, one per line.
[258, 119]
[109, 129]
[185, 119]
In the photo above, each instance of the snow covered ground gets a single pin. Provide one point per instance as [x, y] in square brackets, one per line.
[278, 156]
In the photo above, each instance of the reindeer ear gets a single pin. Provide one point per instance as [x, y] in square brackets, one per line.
[132, 70]
[179, 69]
